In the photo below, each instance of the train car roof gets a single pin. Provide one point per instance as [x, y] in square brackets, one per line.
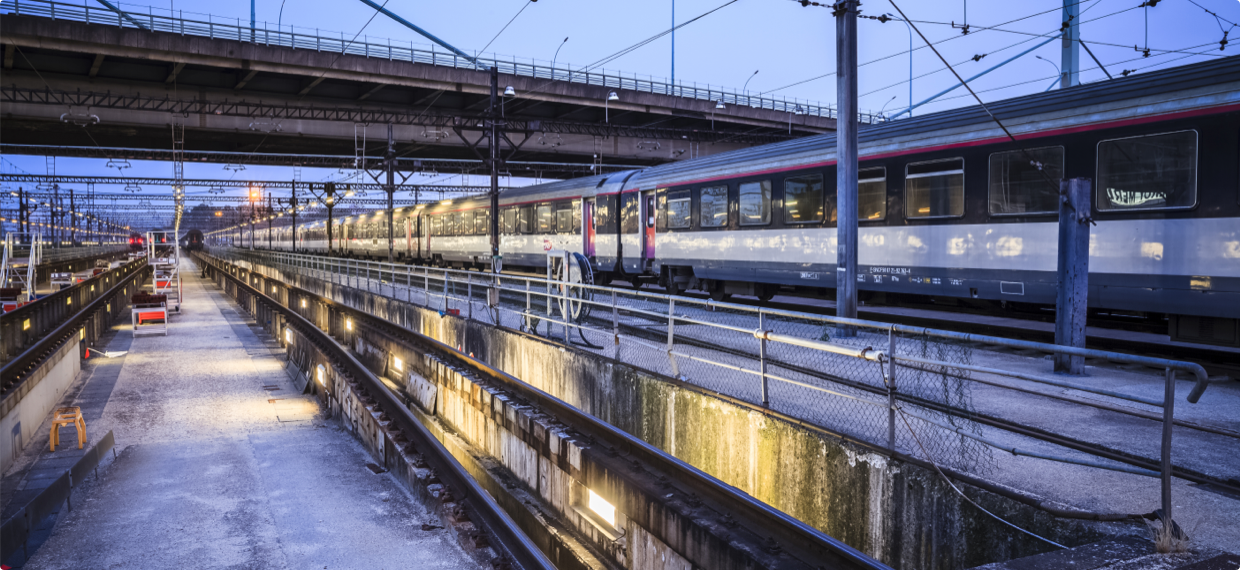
[1210, 83]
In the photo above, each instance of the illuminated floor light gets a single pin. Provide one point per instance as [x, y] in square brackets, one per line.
[398, 363]
[602, 508]
[288, 335]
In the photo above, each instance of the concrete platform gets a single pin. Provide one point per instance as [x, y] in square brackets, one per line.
[221, 463]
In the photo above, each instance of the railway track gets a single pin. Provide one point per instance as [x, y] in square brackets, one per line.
[773, 531]
[515, 301]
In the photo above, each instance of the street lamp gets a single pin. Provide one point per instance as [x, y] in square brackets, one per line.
[746, 86]
[910, 61]
[606, 111]
[1058, 72]
[557, 54]
[893, 98]
[718, 106]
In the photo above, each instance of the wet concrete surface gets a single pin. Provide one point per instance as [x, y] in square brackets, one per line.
[222, 464]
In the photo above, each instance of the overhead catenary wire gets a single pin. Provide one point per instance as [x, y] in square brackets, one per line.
[525, 5]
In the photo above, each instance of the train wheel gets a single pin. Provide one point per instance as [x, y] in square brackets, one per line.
[766, 293]
[717, 294]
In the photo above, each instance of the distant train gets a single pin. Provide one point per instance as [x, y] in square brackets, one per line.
[136, 241]
[193, 240]
[950, 208]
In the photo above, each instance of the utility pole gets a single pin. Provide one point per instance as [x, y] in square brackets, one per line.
[674, 42]
[846, 162]
[269, 220]
[330, 190]
[72, 218]
[292, 202]
[497, 264]
[1071, 302]
[1070, 62]
[389, 164]
[23, 210]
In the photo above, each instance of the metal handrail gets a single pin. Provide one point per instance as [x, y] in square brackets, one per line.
[384, 48]
[553, 290]
[1195, 370]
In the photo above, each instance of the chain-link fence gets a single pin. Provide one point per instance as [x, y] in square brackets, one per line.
[711, 345]
[905, 388]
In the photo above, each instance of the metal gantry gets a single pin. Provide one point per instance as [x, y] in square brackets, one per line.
[164, 255]
[21, 258]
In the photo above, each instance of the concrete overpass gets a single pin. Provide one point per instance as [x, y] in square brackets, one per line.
[86, 85]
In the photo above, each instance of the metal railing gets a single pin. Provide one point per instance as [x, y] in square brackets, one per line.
[53, 254]
[16, 530]
[862, 379]
[265, 33]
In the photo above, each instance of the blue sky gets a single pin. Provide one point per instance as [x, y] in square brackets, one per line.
[791, 47]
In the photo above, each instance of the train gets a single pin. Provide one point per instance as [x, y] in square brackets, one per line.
[137, 242]
[951, 208]
[193, 240]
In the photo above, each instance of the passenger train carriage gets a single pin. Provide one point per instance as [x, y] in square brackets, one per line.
[949, 207]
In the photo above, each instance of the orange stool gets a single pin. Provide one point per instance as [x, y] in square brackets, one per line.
[70, 416]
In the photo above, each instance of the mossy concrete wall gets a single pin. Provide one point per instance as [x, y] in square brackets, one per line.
[901, 513]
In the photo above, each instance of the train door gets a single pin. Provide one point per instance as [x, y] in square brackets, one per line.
[647, 220]
[587, 227]
[408, 237]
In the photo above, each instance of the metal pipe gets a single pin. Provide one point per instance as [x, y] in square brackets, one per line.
[1032, 378]
[867, 353]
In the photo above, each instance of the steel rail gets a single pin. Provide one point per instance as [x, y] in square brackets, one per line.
[514, 542]
[16, 371]
[823, 547]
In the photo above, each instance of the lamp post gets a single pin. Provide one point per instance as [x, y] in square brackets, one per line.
[893, 98]
[1058, 73]
[557, 54]
[910, 61]
[746, 86]
[606, 111]
[718, 106]
[255, 196]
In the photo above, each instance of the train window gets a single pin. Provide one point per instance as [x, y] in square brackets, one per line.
[934, 189]
[803, 199]
[546, 222]
[436, 225]
[755, 203]
[508, 221]
[482, 221]
[628, 213]
[525, 220]
[872, 194]
[679, 209]
[564, 217]
[1026, 181]
[714, 207]
[576, 205]
[467, 223]
[1146, 173]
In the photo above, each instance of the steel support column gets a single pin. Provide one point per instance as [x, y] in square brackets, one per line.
[846, 163]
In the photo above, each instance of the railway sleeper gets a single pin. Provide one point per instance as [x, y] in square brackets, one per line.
[589, 499]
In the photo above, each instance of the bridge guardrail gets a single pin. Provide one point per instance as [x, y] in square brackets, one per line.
[320, 40]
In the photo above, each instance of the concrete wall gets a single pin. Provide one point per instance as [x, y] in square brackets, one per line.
[47, 385]
[898, 512]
